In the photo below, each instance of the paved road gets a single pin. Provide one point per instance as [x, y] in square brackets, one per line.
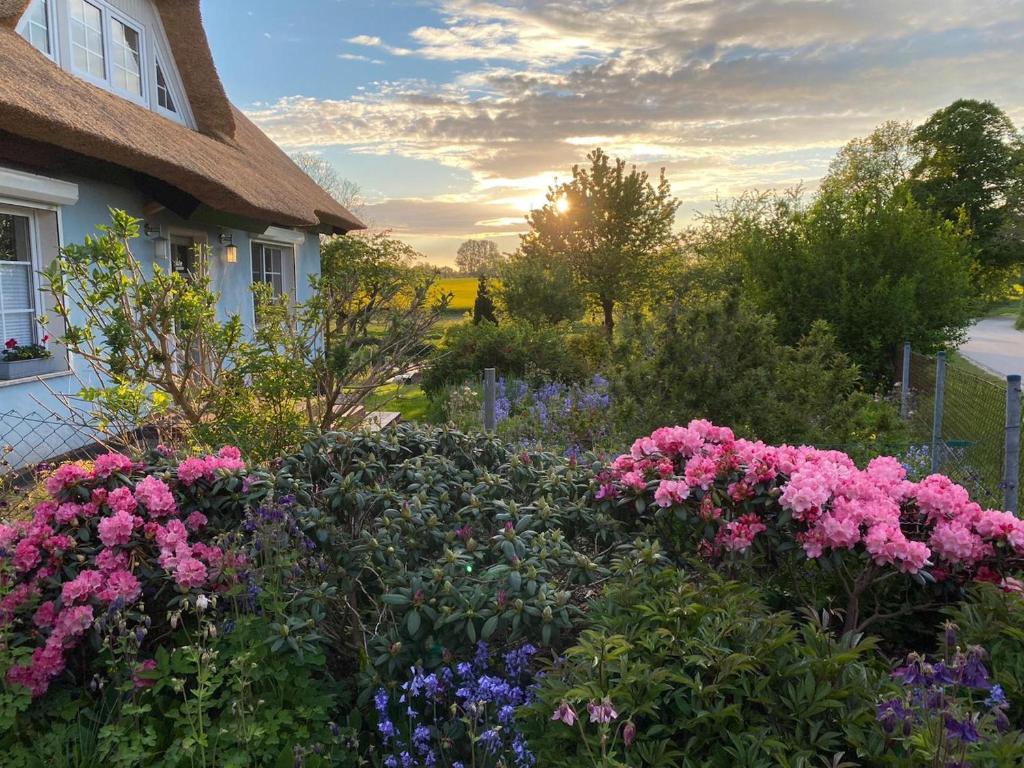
[994, 343]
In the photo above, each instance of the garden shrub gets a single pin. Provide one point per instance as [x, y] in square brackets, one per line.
[993, 618]
[687, 672]
[811, 519]
[719, 360]
[448, 539]
[514, 348]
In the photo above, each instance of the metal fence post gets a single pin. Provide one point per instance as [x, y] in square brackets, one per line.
[1011, 446]
[940, 390]
[905, 384]
[490, 417]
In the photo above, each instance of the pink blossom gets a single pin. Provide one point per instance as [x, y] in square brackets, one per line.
[26, 555]
[117, 528]
[122, 500]
[565, 713]
[196, 520]
[155, 496]
[634, 480]
[66, 513]
[45, 615]
[109, 463]
[189, 573]
[109, 560]
[602, 712]
[671, 492]
[82, 587]
[64, 476]
[191, 470]
[121, 584]
[141, 676]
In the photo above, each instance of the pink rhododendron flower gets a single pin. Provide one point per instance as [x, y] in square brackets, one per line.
[120, 584]
[66, 513]
[117, 528]
[109, 463]
[154, 494]
[45, 615]
[109, 560]
[64, 476]
[195, 521]
[122, 500]
[191, 470]
[82, 587]
[26, 555]
[189, 573]
[671, 492]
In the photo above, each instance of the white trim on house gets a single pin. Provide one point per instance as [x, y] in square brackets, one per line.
[281, 235]
[18, 186]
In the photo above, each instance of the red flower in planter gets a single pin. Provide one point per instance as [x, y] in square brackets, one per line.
[11, 343]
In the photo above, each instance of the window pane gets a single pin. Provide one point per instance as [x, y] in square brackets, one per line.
[257, 263]
[37, 27]
[15, 286]
[17, 299]
[125, 50]
[163, 93]
[87, 38]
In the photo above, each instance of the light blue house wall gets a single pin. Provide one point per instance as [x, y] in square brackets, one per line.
[31, 416]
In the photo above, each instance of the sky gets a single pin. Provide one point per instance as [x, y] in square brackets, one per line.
[454, 116]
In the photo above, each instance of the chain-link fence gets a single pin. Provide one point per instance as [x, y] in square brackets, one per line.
[27, 438]
[967, 435]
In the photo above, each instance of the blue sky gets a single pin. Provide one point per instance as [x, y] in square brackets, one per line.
[454, 116]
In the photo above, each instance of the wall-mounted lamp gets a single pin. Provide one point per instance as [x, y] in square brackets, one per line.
[230, 249]
[153, 231]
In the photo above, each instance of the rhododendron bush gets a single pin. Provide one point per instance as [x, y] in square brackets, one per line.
[114, 537]
[866, 525]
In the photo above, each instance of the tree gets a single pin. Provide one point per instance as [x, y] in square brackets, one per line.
[483, 307]
[877, 164]
[972, 165]
[478, 257]
[323, 172]
[610, 226]
[538, 290]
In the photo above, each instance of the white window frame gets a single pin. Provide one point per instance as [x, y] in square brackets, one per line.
[285, 248]
[108, 12]
[34, 268]
[178, 115]
[51, 24]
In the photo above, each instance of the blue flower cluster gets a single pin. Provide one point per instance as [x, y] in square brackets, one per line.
[459, 716]
[575, 415]
[945, 697]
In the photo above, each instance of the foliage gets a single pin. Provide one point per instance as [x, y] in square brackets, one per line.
[539, 290]
[564, 418]
[13, 351]
[972, 165]
[879, 274]
[680, 671]
[876, 166]
[949, 713]
[156, 346]
[610, 228]
[447, 539]
[720, 360]
[993, 618]
[483, 307]
[462, 714]
[515, 348]
[478, 257]
[809, 519]
[323, 172]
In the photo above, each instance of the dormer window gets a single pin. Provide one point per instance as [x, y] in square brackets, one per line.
[37, 26]
[164, 98]
[87, 50]
[99, 41]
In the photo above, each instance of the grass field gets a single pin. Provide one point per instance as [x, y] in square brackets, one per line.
[407, 399]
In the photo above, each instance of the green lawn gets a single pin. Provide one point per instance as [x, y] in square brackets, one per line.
[407, 399]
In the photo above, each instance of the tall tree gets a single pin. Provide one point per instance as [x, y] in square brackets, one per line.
[323, 172]
[483, 307]
[875, 165]
[610, 225]
[478, 257]
[538, 290]
[972, 164]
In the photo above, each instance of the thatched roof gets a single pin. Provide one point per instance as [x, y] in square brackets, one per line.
[228, 165]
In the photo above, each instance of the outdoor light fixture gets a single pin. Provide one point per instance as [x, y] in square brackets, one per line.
[153, 231]
[230, 249]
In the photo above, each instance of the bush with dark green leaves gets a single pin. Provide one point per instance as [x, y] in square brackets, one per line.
[698, 672]
[447, 539]
[515, 348]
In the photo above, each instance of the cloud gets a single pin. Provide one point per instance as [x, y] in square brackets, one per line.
[358, 57]
[725, 95]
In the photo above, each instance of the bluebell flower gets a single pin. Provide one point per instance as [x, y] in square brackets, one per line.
[996, 697]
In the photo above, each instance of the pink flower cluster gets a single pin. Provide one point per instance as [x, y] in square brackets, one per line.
[60, 576]
[834, 505]
[228, 459]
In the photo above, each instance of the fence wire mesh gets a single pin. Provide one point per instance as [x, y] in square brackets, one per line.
[27, 438]
[971, 442]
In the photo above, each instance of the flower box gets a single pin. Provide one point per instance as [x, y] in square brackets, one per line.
[26, 369]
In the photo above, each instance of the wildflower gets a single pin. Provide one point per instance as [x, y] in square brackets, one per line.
[602, 712]
[628, 733]
[565, 713]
